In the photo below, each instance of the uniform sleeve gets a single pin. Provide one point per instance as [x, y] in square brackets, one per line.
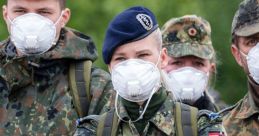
[101, 92]
[210, 123]
[4, 93]
[87, 126]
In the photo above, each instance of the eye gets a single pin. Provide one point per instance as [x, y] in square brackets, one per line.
[20, 11]
[119, 59]
[143, 55]
[199, 64]
[253, 42]
[44, 13]
[177, 63]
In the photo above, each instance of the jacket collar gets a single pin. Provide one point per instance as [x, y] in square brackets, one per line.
[248, 108]
[163, 119]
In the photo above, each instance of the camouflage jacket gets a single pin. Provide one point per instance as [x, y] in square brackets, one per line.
[161, 124]
[242, 119]
[35, 93]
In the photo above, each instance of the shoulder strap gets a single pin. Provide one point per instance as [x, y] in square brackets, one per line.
[79, 80]
[226, 110]
[108, 125]
[186, 120]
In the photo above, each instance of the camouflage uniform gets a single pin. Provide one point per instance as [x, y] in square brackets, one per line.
[242, 118]
[161, 123]
[190, 35]
[35, 93]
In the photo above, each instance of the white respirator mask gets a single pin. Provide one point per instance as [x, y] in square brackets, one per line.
[135, 80]
[253, 62]
[187, 84]
[32, 33]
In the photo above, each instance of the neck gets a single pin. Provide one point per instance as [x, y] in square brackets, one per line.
[140, 103]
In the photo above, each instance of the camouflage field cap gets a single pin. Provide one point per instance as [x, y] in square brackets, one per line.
[246, 19]
[188, 35]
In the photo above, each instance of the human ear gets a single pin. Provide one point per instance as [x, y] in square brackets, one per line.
[164, 58]
[236, 53]
[65, 17]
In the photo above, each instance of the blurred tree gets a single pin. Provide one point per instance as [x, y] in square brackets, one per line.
[92, 17]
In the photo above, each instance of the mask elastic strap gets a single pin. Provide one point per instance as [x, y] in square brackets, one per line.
[141, 116]
[9, 19]
[59, 18]
[116, 107]
[243, 53]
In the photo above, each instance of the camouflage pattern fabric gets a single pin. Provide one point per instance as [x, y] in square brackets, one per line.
[188, 35]
[242, 118]
[210, 124]
[35, 93]
[163, 120]
[246, 19]
[161, 124]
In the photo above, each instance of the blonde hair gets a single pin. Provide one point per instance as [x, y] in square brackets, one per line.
[157, 35]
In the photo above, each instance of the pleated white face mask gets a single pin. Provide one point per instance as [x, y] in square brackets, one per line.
[253, 62]
[32, 33]
[187, 83]
[134, 79]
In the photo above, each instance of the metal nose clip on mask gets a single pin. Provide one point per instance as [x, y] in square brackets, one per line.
[32, 33]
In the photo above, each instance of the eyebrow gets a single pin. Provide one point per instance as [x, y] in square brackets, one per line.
[119, 54]
[45, 9]
[23, 8]
[18, 7]
[143, 51]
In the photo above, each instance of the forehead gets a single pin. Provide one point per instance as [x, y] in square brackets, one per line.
[33, 4]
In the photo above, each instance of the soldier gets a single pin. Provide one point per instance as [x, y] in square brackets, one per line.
[133, 51]
[242, 118]
[192, 60]
[37, 65]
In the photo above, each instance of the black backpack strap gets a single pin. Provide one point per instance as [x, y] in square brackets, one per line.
[79, 79]
[108, 125]
[186, 120]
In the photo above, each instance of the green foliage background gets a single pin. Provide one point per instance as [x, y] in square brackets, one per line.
[92, 17]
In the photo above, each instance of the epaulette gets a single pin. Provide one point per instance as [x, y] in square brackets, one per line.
[226, 110]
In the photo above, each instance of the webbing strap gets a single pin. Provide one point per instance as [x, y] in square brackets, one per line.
[186, 120]
[107, 129]
[178, 119]
[79, 75]
[108, 126]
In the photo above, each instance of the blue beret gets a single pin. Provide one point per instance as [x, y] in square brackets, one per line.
[131, 25]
